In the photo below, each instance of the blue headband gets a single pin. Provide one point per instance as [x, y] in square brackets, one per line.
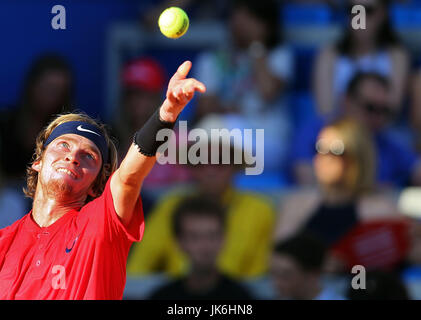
[83, 129]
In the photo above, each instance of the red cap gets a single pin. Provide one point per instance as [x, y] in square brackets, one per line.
[144, 73]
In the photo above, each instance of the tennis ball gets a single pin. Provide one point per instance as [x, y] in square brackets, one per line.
[173, 22]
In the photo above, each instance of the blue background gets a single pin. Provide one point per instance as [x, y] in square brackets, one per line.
[26, 32]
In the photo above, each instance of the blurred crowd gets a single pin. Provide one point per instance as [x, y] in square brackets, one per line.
[342, 168]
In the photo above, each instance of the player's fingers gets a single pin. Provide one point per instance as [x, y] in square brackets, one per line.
[173, 96]
[188, 86]
[183, 70]
[192, 85]
[172, 99]
[200, 86]
[189, 95]
[188, 90]
[178, 95]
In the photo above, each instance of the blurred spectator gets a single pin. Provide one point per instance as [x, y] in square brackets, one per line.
[296, 268]
[346, 194]
[415, 109]
[250, 76]
[374, 49]
[47, 91]
[250, 219]
[368, 102]
[199, 225]
[143, 81]
[380, 285]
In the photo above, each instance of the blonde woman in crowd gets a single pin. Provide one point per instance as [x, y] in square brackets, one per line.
[345, 195]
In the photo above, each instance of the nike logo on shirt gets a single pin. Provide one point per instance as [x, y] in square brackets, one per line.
[73, 244]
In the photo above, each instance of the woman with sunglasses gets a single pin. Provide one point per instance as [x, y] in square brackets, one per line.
[344, 165]
[373, 49]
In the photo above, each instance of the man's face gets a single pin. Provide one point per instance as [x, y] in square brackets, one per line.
[246, 28]
[329, 167]
[201, 239]
[371, 104]
[68, 168]
[213, 178]
[289, 279]
[50, 91]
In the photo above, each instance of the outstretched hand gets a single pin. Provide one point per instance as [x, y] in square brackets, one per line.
[180, 92]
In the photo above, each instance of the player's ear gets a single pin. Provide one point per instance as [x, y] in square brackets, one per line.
[36, 165]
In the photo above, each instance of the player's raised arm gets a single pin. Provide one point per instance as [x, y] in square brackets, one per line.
[128, 178]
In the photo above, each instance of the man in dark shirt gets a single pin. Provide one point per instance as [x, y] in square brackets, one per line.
[199, 227]
[367, 101]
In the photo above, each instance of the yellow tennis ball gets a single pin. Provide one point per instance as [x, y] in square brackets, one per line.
[173, 22]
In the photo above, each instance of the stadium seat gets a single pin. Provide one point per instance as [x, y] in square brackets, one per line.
[314, 14]
[406, 16]
[412, 279]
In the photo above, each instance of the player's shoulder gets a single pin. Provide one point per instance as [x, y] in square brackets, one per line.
[100, 202]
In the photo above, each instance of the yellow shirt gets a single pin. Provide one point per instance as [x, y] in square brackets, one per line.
[249, 227]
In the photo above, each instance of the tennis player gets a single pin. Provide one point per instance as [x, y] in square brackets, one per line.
[86, 212]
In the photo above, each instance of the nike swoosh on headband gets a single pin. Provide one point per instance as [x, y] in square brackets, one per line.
[86, 130]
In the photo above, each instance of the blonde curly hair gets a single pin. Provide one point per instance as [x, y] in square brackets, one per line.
[106, 169]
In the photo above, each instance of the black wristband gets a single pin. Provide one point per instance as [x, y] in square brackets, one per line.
[145, 138]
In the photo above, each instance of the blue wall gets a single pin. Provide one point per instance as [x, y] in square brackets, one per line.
[26, 32]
